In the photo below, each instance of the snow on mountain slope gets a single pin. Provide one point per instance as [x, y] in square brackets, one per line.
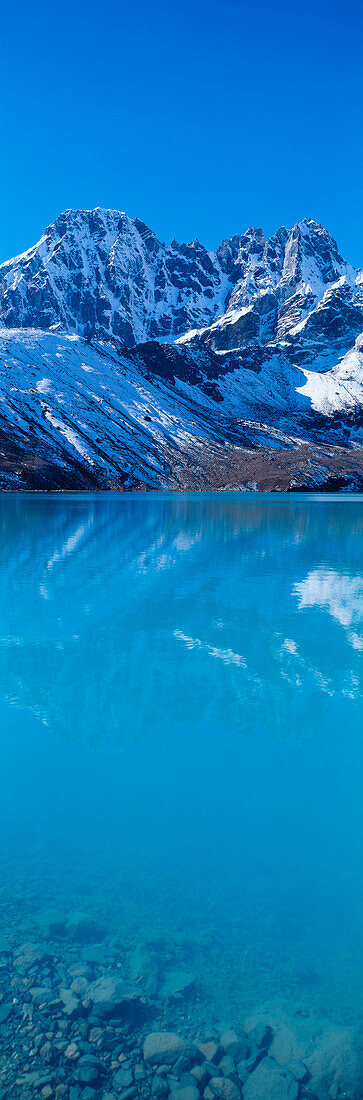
[340, 388]
[105, 417]
[100, 273]
[88, 406]
[92, 409]
[127, 361]
[271, 389]
[308, 292]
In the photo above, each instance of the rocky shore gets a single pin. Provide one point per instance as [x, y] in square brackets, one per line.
[82, 1021]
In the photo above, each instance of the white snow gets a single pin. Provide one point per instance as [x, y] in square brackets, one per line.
[44, 385]
[339, 388]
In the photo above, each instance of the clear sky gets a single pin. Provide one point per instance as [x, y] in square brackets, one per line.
[199, 117]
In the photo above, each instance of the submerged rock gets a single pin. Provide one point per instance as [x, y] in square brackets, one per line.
[176, 984]
[260, 1037]
[165, 1047]
[89, 1070]
[94, 955]
[159, 1087]
[211, 1051]
[123, 1078]
[71, 1004]
[29, 955]
[5, 1012]
[84, 929]
[144, 967]
[224, 1088]
[236, 1046]
[186, 1092]
[298, 1070]
[331, 1053]
[272, 1081]
[41, 995]
[52, 923]
[48, 1053]
[111, 996]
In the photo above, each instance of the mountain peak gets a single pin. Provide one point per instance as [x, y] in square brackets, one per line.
[307, 225]
[101, 273]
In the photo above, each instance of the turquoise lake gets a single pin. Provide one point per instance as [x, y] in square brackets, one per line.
[181, 733]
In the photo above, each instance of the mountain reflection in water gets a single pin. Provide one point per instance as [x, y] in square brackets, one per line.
[119, 614]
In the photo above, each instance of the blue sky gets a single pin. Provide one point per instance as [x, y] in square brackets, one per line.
[199, 117]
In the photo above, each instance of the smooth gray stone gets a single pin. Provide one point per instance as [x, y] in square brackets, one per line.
[5, 1012]
[110, 995]
[269, 1081]
[165, 1047]
[235, 1045]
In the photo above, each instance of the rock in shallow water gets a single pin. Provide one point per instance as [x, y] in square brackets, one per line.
[330, 1052]
[29, 955]
[223, 1088]
[111, 996]
[260, 1037]
[236, 1046]
[165, 1047]
[41, 995]
[84, 929]
[5, 1012]
[144, 966]
[89, 1070]
[123, 1078]
[176, 984]
[270, 1081]
[52, 923]
[211, 1051]
[160, 1087]
[185, 1092]
[71, 1004]
[298, 1069]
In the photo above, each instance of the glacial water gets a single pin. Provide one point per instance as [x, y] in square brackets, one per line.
[181, 735]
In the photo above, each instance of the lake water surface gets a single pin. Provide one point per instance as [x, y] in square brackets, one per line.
[181, 733]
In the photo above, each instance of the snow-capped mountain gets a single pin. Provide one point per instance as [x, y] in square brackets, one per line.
[125, 361]
[99, 273]
[102, 274]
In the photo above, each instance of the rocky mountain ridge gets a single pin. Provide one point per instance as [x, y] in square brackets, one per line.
[101, 274]
[261, 332]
